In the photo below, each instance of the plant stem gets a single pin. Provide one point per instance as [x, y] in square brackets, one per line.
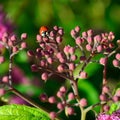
[28, 100]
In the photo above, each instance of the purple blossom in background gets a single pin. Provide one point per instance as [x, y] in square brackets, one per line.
[114, 116]
[6, 24]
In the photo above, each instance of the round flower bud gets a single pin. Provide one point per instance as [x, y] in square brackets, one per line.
[99, 48]
[88, 47]
[60, 68]
[63, 89]
[73, 57]
[77, 29]
[115, 98]
[58, 39]
[2, 91]
[60, 106]
[78, 41]
[70, 111]
[34, 68]
[60, 31]
[83, 102]
[39, 38]
[15, 49]
[66, 49]
[50, 60]
[59, 94]
[71, 96]
[13, 38]
[2, 59]
[51, 99]
[116, 63]
[5, 79]
[90, 32]
[71, 66]
[53, 115]
[89, 40]
[105, 89]
[44, 76]
[103, 97]
[102, 61]
[118, 56]
[71, 50]
[106, 108]
[83, 75]
[84, 34]
[43, 97]
[23, 36]
[23, 45]
[30, 53]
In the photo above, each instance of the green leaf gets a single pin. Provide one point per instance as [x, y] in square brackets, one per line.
[22, 112]
[114, 107]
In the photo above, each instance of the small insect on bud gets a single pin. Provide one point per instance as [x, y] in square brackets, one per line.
[43, 31]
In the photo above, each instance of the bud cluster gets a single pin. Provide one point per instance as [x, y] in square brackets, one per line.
[64, 101]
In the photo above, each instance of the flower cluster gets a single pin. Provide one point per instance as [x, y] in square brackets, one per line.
[114, 116]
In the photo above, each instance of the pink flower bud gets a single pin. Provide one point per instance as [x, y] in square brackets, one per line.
[116, 63]
[88, 47]
[63, 89]
[15, 49]
[43, 97]
[39, 38]
[84, 34]
[83, 102]
[70, 111]
[71, 96]
[66, 49]
[5, 79]
[73, 33]
[2, 59]
[13, 38]
[44, 76]
[103, 97]
[78, 41]
[83, 75]
[53, 115]
[55, 28]
[71, 50]
[50, 60]
[60, 106]
[71, 66]
[2, 91]
[60, 31]
[105, 89]
[99, 48]
[118, 56]
[58, 39]
[34, 68]
[102, 61]
[77, 29]
[115, 98]
[59, 94]
[30, 53]
[106, 108]
[90, 32]
[60, 68]
[51, 99]
[23, 36]
[73, 57]
[89, 40]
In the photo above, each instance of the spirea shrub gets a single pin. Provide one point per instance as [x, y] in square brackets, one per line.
[52, 58]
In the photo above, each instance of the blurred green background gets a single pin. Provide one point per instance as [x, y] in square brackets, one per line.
[29, 15]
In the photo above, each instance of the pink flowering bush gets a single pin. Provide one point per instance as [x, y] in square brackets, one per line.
[51, 58]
